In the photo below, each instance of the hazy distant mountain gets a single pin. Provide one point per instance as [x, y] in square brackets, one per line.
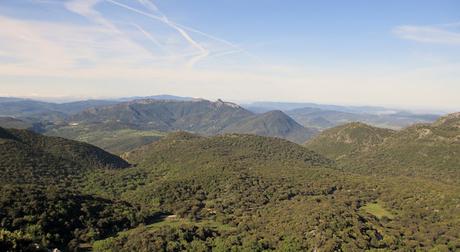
[16, 107]
[20, 107]
[323, 119]
[307, 114]
[200, 116]
[285, 106]
[322, 116]
[10, 99]
[157, 97]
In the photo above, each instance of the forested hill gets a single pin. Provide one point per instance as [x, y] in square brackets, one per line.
[341, 141]
[198, 116]
[229, 192]
[246, 192]
[29, 157]
[232, 150]
[421, 150]
[273, 123]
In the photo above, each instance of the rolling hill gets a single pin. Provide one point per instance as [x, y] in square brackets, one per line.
[274, 124]
[28, 157]
[231, 191]
[422, 150]
[347, 139]
[114, 139]
[41, 204]
[247, 192]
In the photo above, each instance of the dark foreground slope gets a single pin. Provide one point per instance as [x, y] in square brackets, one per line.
[28, 157]
[255, 193]
[41, 205]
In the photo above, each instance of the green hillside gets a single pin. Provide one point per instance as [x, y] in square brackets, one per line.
[231, 192]
[116, 141]
[245, 192]
[275, 124]
[28, 157]
[41, 205]
[430, 151]
[58, 218]
[344, 140]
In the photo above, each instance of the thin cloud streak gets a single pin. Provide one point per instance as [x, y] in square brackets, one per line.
[182, 30]
[165, 20]
[148, 35]
[439, 34]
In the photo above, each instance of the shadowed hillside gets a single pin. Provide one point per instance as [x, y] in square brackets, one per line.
[29, 157]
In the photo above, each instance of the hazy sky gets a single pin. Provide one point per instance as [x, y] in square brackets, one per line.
[392, 52]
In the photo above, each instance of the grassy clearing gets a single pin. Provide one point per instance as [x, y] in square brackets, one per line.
[171, 222]
[377, 210]
[116, 141]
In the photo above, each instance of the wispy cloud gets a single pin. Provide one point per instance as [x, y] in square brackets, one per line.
[184, 31]
[447, 34]
[196, 47]
[202, 51]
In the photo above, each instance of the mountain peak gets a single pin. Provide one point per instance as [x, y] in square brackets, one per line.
[450, 120]
[220, 103]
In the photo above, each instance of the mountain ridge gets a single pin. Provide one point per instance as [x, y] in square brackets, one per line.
[199, 116]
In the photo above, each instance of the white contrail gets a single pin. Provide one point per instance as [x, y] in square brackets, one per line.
[148, 35]
[149, 5]
[203, 51]
[224, 53]
[165, 20]
[85, 8]
[180, 26]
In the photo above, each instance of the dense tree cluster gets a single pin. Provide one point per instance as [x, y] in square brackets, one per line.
[224, 193]
[54, 217]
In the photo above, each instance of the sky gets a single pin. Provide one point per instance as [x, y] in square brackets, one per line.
[395, 53]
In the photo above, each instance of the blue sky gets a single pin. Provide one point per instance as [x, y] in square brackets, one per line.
[393, 53]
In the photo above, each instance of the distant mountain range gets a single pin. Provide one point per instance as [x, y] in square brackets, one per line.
[321, 116]
[199, 116]
[293, 121]
[21, 107]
